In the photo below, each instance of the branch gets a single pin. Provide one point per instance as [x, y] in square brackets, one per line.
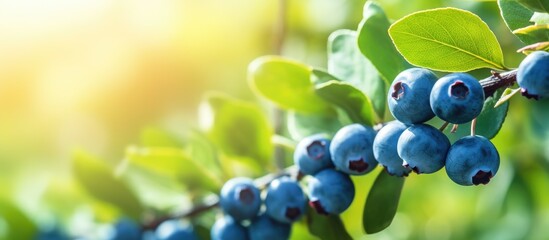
[498, 80]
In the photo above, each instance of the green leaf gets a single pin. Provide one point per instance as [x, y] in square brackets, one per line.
[536, 5]
[156, 137]
[447, 39]
[237, 128]
[375, 44]
[382, 202]
[98, 179]
[347, 63]
[199, 147]
[302, 125]
[326, 227]
[319, 76]
[286, 83]
[18, 224]
[517, 16]
[534, 31]
[176, 164]
[357, 106]
[507, 94]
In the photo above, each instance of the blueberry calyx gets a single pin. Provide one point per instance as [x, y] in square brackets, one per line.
[358, 165]
[314, 150]
[459, 90]
[482, 177]
[246, 195]
[318, 207]
[525, 93]
[398, 91]
[292, 213]
[414, 169]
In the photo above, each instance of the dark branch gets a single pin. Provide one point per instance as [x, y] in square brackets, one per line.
[498, 80]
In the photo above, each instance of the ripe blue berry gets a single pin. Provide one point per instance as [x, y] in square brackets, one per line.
[423, 148]
[125, 229]
[472, 160]
[53, 233]
[385, 148]
[457, 98]
[331, 192]
[312, 154]
[533, 75]
[240, 198]
[285, 201]
[226, 228]
[175, 230]
[351, 149]
[265, 228]
[408, 96]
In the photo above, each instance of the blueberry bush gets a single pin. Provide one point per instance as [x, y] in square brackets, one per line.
[398, 101]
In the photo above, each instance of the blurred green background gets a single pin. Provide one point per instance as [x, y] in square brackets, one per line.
[92, 74]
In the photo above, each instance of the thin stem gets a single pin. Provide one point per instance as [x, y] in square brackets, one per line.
[454, 128]
[443, 127]
[473, 126]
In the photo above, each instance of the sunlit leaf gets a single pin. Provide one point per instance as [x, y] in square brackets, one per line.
[156, 137]
[98, 179]
[357, 106]
[535, 31]
[540, 18]
[238, 128]
[286, 83]
[174, 163]
[18, 224]
[303, 125]
[382, 202]
[326, 227]
[347, 63]
[447, 39]
[507, 94]
[375, 44]
[535, 47]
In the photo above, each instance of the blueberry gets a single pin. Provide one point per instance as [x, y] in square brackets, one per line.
[408, 96]
[265, 228]
[385, 148]
[331, 192]
[240, 198]
[423, 148]
[533, 75]
[312, 154]
[175, 230]
[457, 98]
[226, 228]
[472, 160]
[125, 229]
[351, 149]
[285, 201]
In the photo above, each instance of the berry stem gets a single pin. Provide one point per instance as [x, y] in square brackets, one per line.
[498, 80]
[473, 126]
[454, 128]
[444, 126]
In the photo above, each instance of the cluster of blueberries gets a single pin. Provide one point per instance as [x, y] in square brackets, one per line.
[401, 146]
